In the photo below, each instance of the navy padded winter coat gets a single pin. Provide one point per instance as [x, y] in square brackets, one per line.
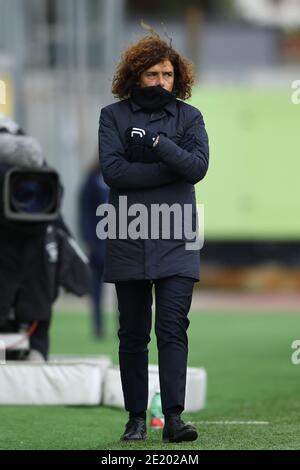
[181, 161]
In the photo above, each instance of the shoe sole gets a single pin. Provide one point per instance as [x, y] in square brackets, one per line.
[140, 439]
[185, 436]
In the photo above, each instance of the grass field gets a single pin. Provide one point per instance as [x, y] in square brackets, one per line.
[250, 379]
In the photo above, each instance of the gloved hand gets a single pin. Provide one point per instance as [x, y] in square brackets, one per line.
[139, 145]
[139, 136]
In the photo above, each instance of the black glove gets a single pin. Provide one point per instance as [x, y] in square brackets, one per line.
[141, 137]
[139, 145]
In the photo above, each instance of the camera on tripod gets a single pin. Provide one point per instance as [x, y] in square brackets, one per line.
[38, 254]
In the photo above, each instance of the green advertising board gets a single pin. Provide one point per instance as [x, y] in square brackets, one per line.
[252, 188]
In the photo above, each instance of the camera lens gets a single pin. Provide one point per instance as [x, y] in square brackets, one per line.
[32, 194]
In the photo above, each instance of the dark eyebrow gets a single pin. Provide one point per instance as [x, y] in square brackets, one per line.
[168, 71]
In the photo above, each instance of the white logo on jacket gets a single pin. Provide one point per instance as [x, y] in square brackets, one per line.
[138, 131]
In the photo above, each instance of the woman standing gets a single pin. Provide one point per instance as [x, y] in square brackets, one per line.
[153, 149]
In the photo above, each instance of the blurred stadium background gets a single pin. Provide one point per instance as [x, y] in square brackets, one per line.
[56, 62]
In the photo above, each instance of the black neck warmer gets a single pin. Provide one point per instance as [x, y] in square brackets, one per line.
[151, 97]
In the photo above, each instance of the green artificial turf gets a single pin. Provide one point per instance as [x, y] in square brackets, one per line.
[250, 378]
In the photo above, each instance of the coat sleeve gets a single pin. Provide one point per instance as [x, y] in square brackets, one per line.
[191, 161]
[117, 171]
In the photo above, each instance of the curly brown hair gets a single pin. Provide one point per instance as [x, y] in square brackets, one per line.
[148, 51]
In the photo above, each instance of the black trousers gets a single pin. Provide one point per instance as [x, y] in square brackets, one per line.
[173, 296]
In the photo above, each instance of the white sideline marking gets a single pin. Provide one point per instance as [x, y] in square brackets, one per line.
[233, 422]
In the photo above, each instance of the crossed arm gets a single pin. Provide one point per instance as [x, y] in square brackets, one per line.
[176, 163]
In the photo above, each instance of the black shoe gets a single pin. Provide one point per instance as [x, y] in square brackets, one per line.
[135, 430]
[176, 430]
